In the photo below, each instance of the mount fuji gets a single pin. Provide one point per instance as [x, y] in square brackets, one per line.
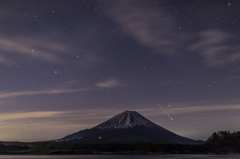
[128, 127]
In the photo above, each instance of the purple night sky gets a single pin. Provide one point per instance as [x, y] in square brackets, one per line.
[68, 65]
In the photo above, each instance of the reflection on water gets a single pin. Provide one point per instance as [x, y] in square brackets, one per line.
[120, 157]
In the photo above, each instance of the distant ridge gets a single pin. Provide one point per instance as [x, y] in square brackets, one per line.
[128, 127]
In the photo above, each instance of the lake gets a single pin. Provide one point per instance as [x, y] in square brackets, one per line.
[119, 156]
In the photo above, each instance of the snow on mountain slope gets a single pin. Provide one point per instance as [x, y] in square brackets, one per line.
[127, 119]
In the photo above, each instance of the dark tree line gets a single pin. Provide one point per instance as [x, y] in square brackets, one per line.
[224, 142]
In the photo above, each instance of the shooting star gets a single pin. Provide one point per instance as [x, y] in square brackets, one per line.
[164, 111]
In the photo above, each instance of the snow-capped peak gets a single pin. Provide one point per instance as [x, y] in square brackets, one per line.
[127, 119]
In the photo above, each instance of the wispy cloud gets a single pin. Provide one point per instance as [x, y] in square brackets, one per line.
[151, 27]
[110, 83]
[31, 47]
[27, 115]
[91, 117]
[198, 109]
[159, 30]
[38, 92]
[216, 48]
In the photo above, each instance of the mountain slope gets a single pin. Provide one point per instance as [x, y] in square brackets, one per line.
[128, 127]
[127, 119]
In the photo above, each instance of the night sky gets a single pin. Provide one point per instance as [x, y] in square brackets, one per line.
[68, 65]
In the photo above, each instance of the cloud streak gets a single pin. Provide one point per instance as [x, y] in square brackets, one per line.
[110, 83]
[30, 47]
[27, 115]
[198, 109]
[38, 92]
[215, 47]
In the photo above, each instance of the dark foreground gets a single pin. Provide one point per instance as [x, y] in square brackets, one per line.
[222, 142]
[140, 148]
[161, 156]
